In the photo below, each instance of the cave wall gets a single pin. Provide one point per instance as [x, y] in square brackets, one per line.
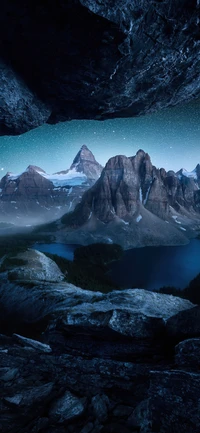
[95, 59]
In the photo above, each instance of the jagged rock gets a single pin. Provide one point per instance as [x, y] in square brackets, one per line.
[188, 353]
[54, 391]
[118, 382]
[7, 374]
[16, 100]
[135, 204]
[172, 404]
[66, 408]
[37, 345]
[85, 162]
[138, 419]
[100, 404]
[31, 396]
[31, 265]
[141, 57]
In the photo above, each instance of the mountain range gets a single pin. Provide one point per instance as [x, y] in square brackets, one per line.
[130, 201]
[134, 203]
[33, 196]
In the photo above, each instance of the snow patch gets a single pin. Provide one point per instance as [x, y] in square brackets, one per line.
[147, 194]
[175, 219]
[190, 174]
[125, 222]
[72, 178]
[110, 240]
[138, 219]
[140, 195]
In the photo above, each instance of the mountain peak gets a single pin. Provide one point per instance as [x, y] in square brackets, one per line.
[85, 162]
[190, 174]
[141, 151]
[84, 154]
[84, 147]
[35, 168]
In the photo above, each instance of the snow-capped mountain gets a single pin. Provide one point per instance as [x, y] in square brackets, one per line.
[34, 196]
[85, 164]
[194, 174]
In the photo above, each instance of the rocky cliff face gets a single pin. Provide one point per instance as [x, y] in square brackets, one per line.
[85, 162]
[30, 197]
[34, 196]
[95, 60]
[134, 193]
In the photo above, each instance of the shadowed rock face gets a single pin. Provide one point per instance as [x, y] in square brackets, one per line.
[86, 59]
[135, 204]
[129, 183]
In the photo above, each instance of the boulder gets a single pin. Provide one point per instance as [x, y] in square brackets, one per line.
[184, 325]
[66, 408]
[29, 397]
[187, 353]
[31, 265]
[100, 404]
[28, 342]
[173, 403]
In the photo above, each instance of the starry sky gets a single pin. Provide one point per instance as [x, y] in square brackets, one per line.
[171, 137]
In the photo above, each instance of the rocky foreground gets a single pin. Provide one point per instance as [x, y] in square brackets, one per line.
[126, 361]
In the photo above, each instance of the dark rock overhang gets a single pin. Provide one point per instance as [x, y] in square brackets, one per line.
[95, 59]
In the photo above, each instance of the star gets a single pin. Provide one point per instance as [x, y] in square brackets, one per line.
[170, 137]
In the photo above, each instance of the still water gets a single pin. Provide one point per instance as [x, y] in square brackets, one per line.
[148, 267]
[155, 267]
[62, 250]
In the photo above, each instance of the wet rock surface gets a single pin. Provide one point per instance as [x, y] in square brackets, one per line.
[97, 60]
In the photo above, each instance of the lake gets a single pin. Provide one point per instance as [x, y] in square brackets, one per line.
[148, 267]
[62, 250]
[155, 267]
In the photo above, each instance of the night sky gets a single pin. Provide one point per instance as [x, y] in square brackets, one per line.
[171, 137]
